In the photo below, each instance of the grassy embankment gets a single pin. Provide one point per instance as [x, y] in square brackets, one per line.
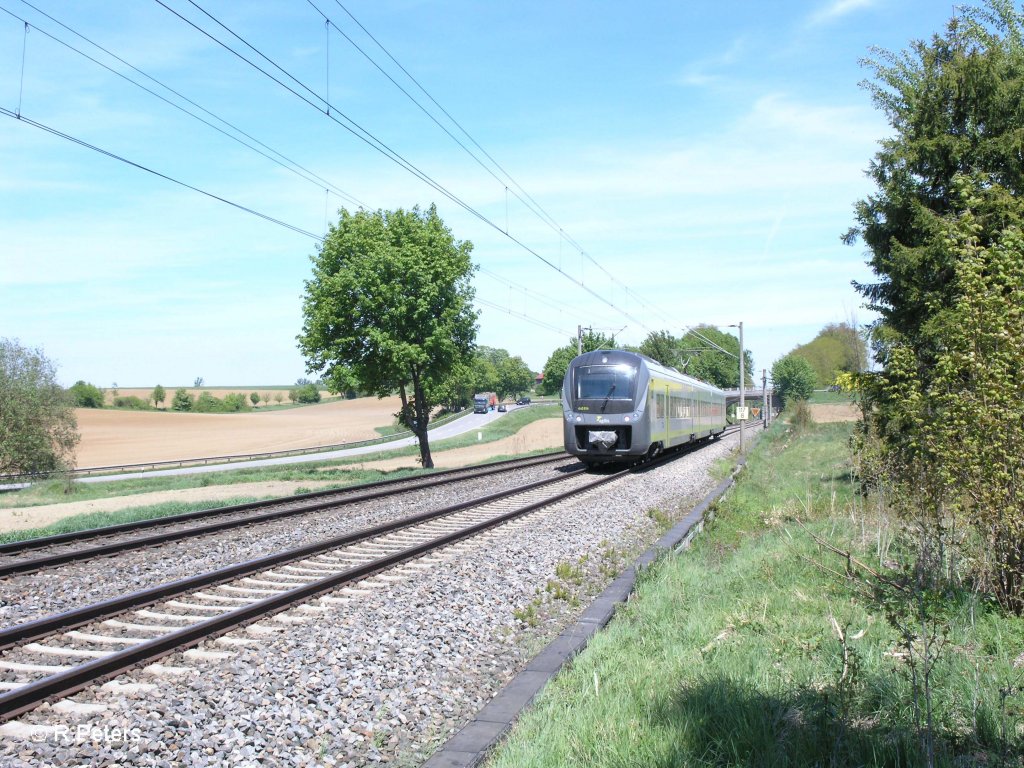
[754, 649]
[335, 472]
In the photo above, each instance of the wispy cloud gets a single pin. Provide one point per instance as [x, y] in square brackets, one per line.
[836, 10]
[706, 72]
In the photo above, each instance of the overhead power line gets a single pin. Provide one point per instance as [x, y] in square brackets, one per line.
[333, 113]
[284, 161]
[522, 195]
[114, 156]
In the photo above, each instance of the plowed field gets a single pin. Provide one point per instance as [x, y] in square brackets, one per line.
[111, 438]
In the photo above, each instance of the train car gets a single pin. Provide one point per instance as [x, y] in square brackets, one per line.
[622, 406]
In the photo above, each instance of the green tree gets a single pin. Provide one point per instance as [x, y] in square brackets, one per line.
[391, 300]
[158, 396]
[838, 348]
[663, 347]
[558, 362]
[86, 395]
[254, 398]
[514, 377]
[954, 106]
[943, 230]
[207, 403]
[182, 400]
[305, 393]
[235, 402]
[702, 349]
[38, 431]
[793, 379]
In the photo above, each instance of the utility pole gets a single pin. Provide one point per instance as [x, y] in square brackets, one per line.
[579, 338]
[764, 396]
[743, 389]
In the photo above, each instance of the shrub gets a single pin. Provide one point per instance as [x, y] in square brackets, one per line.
[234, 402]
[86, 395]
[131, 402]
[182, 400]
[793, 379]
[306, 393]
[207, 403]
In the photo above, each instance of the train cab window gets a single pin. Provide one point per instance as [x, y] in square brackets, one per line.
[601, 382]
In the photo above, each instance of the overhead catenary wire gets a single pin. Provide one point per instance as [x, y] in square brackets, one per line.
[327, 110]
[139, 166]
[529, 202]
[314, 100]
[521, 316]
[538, 297]
[284, 161]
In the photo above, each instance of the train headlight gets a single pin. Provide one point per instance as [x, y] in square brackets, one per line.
[626, 419]
[579, 419]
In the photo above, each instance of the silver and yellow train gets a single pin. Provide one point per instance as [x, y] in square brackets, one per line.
[622, 406]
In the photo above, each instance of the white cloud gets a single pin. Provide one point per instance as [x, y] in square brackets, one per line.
[706, 72]
[837, 9]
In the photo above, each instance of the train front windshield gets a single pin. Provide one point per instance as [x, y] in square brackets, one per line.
[605, 382]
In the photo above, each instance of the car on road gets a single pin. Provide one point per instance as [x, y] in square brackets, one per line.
[502, 408]
[523, 401]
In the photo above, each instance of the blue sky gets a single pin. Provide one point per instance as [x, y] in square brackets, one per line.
[695, 163]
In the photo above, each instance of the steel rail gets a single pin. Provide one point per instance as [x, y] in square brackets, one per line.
[352, 495]
[29, 696]
[31, 630]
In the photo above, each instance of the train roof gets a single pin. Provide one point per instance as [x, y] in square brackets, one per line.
[615, 356]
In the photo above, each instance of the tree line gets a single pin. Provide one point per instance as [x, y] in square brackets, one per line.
[944, 231]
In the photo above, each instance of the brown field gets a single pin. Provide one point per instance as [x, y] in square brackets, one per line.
[546, 433]
[824, 413]
[111, 438]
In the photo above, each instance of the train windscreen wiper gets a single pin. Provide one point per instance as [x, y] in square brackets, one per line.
[607, 398]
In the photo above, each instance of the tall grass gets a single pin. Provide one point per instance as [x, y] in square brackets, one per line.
[755, 648]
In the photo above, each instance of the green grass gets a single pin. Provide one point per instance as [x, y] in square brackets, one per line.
[728, 655]
[336, 472]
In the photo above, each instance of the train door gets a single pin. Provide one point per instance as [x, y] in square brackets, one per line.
[659, 427]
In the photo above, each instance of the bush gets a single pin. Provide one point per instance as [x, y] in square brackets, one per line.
[86, 395]
[234, 403]
[306, 393]
[793, 379]
[131, 402]
[207, 403]
[182, 400]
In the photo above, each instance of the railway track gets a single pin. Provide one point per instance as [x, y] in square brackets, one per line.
[58, 655]
[61, 549]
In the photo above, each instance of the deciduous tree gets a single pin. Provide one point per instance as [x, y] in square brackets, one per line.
[85, 395]
[390, 301]
[558, 362]
[793, 379]
[943, 231]
[38, 431]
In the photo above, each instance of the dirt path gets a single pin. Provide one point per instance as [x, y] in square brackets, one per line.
[546, 433]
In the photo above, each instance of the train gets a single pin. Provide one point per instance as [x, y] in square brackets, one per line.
[624, 407]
